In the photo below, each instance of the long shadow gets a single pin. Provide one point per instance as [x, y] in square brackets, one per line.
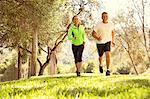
[24, 91]
[140, 82]
[43, 78]
[60, 77]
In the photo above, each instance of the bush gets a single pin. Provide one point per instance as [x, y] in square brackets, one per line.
[2, 70]
[124, 70]
[89, 68]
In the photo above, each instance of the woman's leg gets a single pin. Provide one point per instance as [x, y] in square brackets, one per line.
[79, 55]
[75, 50]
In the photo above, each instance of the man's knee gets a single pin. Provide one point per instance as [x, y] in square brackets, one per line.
[107, 54]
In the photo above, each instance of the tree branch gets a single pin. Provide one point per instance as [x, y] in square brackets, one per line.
[40, 63]
[25, 49]
[53, 49]
[59, 36]
[42, 48]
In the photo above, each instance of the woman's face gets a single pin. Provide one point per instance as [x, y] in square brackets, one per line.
[76, 20]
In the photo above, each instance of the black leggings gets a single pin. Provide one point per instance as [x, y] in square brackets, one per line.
[77, 52]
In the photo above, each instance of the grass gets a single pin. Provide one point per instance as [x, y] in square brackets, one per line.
[88, 86]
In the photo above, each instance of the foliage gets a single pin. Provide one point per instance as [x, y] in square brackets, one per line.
[19, 19]
[89, 68]
[87, 10]
[86, 86]
[124, 70]
[127, 36]
[8, 58]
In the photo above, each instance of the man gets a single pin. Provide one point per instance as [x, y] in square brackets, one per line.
[104, 34]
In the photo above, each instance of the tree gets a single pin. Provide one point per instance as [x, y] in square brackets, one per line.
[25, 21]
[37, 24]
[128, 36]
[69, 8]
[140, 8]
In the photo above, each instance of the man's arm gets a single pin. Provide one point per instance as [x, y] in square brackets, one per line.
[95, 36]
[113, 38]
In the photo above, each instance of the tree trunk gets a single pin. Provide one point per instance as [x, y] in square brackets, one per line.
[19, 63]
[149, 39]
[42, 67]
[34, 53]
[53, 63]
[41, 71]
[29, 64]
[128, 51]
[132, 62]
[144, 33]
[50, 51]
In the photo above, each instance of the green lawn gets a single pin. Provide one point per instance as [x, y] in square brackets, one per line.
[88, 86]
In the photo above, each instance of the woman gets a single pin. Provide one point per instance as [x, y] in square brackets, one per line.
[76, 34]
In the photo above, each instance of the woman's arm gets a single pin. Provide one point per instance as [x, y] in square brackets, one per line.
[70, 36]
[83, 35]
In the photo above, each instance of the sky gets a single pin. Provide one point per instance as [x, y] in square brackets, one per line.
[113, 7]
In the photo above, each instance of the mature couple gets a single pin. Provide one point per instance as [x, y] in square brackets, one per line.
[103, 32]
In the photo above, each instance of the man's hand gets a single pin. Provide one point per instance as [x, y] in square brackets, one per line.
[112, 44]
[96, 36]
[99, 38]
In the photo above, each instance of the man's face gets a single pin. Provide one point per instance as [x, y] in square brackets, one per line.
[105, 17]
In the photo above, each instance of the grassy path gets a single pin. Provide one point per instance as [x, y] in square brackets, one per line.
[88, 86]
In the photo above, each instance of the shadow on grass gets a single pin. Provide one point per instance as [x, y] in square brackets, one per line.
[116, 88]
[60, 77]
[26, 91]
[139, 82]
[22, 91]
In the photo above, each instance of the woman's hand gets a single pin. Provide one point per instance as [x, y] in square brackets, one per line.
[83, 43]
[74, 38]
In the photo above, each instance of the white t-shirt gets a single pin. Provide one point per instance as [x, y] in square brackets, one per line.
[104, 30]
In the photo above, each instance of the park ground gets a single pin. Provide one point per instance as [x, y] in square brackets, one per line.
[87, 86]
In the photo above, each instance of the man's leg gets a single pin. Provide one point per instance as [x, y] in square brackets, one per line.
[107, 53]
[100, 48]
[100, 60]
[107, 59]
[100, 64]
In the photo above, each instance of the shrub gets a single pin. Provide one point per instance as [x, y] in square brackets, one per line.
[124, 70]
[89, 68]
